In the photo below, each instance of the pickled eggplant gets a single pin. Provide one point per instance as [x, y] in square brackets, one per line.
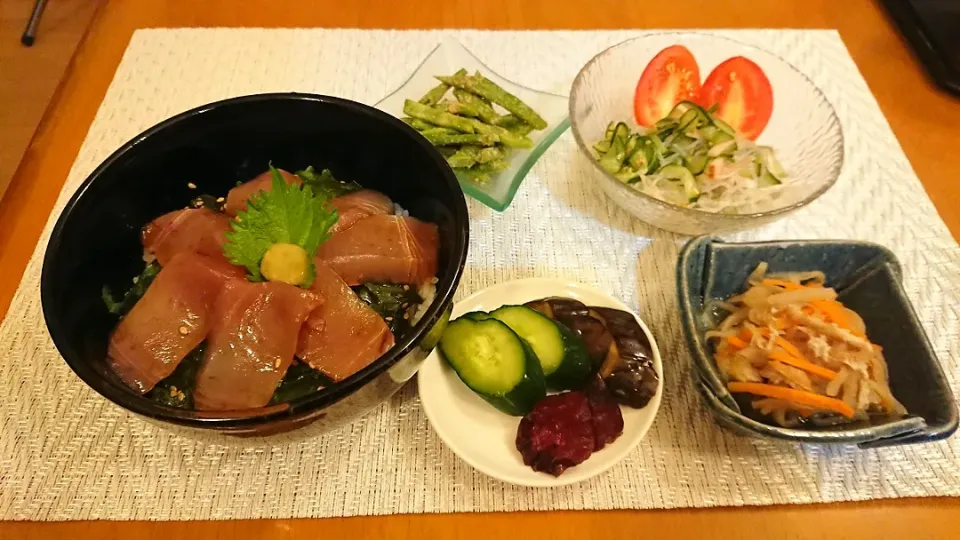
[619, 349]
[629, 375]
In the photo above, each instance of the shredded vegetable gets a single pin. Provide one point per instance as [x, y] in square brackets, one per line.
[805, 357]
[695, 160]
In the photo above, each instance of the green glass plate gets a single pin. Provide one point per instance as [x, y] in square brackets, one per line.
[446, 59]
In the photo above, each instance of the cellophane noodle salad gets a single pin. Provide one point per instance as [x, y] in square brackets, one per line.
[804, 357]
[695, 160]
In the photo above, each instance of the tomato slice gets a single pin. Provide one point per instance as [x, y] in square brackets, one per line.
[671, 77]
[742, 94]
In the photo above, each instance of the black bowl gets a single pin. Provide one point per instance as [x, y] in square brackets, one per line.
[96, 239]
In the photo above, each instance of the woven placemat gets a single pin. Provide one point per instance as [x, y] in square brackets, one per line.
[66, 453]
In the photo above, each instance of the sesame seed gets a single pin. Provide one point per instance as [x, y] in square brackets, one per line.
[184, 330]
[136, 279]
[406, 287]
[406, 316]
[220, 199]
[191, 185]
[173, 391]
[388, 319]
[277, 364]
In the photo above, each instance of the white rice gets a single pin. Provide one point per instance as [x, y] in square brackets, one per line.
[427, 291]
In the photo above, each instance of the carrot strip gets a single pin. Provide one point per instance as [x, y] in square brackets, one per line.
[788, 285]
[787, 346]
[835, 312]
[794, 396]
[802, 363]
[734, 341]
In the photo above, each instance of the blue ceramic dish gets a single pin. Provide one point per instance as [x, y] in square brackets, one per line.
[868, 280]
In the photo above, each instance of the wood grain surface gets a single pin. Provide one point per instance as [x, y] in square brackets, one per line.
[924, 120]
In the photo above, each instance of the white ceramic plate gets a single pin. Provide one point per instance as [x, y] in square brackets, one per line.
[485, 437]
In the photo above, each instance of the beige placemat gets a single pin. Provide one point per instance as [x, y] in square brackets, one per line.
[66, 453]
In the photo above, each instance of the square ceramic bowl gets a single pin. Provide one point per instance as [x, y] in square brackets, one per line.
[446, 59]
[867, 278]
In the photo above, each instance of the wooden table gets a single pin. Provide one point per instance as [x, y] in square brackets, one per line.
[924, 120]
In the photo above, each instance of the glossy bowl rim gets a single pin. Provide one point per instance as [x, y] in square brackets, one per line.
[732, 219]
[246, 419]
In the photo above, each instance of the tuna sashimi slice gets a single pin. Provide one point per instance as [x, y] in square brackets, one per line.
[251, 343]
[237, 197]
[345, 334]
[358, 205]
[383, 249]
[196, 230]
[171, 319]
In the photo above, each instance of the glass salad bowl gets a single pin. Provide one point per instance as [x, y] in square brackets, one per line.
[447, 58]
[803, 130]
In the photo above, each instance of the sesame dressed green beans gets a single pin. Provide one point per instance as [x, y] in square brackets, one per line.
[485, 88]
[474, 123]
[436, 117]
[483, 107]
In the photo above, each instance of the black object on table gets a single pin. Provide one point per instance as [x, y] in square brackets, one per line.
[933, 29]
[30, 34]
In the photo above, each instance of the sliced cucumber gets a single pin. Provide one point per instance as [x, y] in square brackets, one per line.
[658, 146]
[722, 126]
[766, 180]
[495, 363]
[686, 179]
[562, 355]
[697, 163]
[612, 160]
[638, 158]
[628, 175]
[667, 124]
[771, 163]
[608, 135]
[476, 316]
[719, 137]
[537, 330]
[621, 131]
[632, 143]
[602, 147]
[726, 148]
[681, 109]
[683, 143]
[576, 369]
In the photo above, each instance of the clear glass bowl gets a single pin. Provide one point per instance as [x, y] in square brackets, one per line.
[804, 128]
[446, 59]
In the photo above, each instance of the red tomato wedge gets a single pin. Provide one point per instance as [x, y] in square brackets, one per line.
[742, 94]
[671, 77]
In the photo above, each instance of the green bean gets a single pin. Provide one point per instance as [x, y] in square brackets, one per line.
[435, 94]
[492, 167]
[420, 125]
[483, 87]
[492, 153]
[514, 124]
[449, 139]
[471, 174]
[484, 110]
[466, 156]
[439, 118]
[506, 137]
[454, 107]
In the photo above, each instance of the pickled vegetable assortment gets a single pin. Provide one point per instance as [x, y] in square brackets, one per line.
[476, 126]
[599, 357]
